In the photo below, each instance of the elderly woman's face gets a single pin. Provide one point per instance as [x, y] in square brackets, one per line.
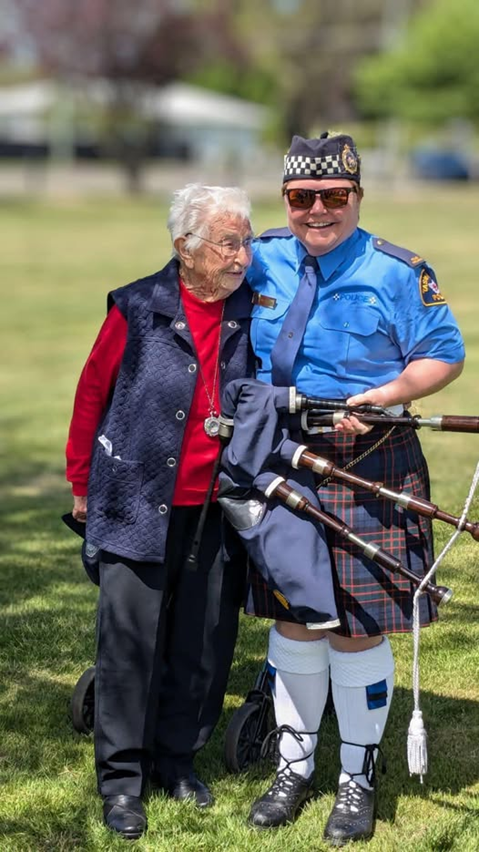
[218, 266]
[320, 228]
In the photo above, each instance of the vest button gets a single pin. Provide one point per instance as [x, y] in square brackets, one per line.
[180, 325]
[171, 461]
[180, 415]
[192, 368]
[223, 365]
[163, 509]
[232, 324]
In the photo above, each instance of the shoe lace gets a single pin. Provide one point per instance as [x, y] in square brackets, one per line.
[349, 795]
[369, 762]
[284, 784]
[271, 744]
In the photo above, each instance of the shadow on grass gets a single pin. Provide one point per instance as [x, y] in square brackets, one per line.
[57, 831]
[37, 551]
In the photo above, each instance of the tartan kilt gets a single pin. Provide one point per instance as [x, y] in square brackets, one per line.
[370, 600]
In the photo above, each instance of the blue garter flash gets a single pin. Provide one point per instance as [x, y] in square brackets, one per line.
[271, 675]
[377, 695]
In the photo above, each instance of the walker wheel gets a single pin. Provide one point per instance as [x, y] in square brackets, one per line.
[82, 704]
[245, 733]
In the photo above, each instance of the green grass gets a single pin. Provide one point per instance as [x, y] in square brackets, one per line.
[58, 262]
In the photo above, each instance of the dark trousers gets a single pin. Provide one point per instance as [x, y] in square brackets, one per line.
[165, 642]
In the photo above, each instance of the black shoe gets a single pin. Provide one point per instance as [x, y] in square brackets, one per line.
[280, 804]
[353, 814]
[183, 787]
[125, 815]
[190, 788]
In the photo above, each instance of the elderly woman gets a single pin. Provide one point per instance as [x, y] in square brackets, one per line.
[141, 458]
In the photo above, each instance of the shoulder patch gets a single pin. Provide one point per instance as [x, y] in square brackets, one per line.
[398, 252]
[275, 232]
[429, 290]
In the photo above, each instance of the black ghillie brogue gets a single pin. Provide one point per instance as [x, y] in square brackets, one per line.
[125, 815]
[352, 816]
[281, 803]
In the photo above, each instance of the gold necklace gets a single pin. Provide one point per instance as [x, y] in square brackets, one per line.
[211, 424]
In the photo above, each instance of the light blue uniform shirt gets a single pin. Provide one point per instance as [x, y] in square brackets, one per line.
[377, 307]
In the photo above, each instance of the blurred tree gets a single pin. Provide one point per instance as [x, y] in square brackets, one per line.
[303, 54]
[127, 48]
[433, 76]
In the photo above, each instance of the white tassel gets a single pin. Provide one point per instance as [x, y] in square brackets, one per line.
[417, 745]
[416, 735]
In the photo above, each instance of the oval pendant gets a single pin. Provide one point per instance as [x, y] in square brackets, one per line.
[211, 426]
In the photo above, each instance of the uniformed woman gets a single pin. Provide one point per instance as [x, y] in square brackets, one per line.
[140, 457]
[341, 313]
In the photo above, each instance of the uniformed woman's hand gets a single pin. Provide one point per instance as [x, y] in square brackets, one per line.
[352, 426]
[79, 508]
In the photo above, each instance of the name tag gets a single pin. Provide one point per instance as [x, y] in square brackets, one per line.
[264, 301]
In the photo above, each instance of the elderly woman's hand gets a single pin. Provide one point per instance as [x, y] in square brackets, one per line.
[80, 508]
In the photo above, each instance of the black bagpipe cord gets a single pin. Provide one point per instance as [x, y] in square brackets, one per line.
[192, 558]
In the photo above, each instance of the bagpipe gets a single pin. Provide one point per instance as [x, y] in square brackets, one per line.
[263, 414]
[269, 491]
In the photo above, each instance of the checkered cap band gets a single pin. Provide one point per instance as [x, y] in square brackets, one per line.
[298, 166]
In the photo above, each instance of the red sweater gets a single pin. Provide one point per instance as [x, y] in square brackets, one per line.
[97, 382]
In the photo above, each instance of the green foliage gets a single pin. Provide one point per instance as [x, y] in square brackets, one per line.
[253, 84]
[433, 74]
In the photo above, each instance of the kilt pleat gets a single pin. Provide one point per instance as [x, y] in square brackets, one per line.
[370, 600]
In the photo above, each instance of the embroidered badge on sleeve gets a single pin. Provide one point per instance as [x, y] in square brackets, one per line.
[429, 290]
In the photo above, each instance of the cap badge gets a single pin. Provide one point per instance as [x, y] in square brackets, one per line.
[350, 160]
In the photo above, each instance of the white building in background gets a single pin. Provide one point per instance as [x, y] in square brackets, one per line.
[208, 124]
[191, 122]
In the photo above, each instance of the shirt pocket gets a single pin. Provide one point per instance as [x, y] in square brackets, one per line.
[347, 336]
[118, 485]
[266, 324]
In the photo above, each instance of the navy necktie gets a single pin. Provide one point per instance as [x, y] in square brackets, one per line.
[287, 344]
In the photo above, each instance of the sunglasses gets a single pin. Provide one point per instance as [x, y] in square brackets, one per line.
[332, 199]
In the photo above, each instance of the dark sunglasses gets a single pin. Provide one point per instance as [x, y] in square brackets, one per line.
[333, 198]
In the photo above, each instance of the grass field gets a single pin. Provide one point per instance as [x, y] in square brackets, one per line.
[58, 261]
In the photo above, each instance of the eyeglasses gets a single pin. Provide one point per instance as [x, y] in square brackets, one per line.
[230, 246]
[333, 198]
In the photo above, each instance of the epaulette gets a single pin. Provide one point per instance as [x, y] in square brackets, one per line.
[400, 253]
[275, 232]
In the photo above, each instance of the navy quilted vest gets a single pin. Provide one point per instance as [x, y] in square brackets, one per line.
[131, 489]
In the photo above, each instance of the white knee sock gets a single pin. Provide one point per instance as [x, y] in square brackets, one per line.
[362, 685]
[300, 690]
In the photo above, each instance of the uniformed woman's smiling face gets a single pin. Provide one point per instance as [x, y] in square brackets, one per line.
[320, 228]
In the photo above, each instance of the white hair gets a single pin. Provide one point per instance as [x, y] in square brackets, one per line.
[195, 205]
